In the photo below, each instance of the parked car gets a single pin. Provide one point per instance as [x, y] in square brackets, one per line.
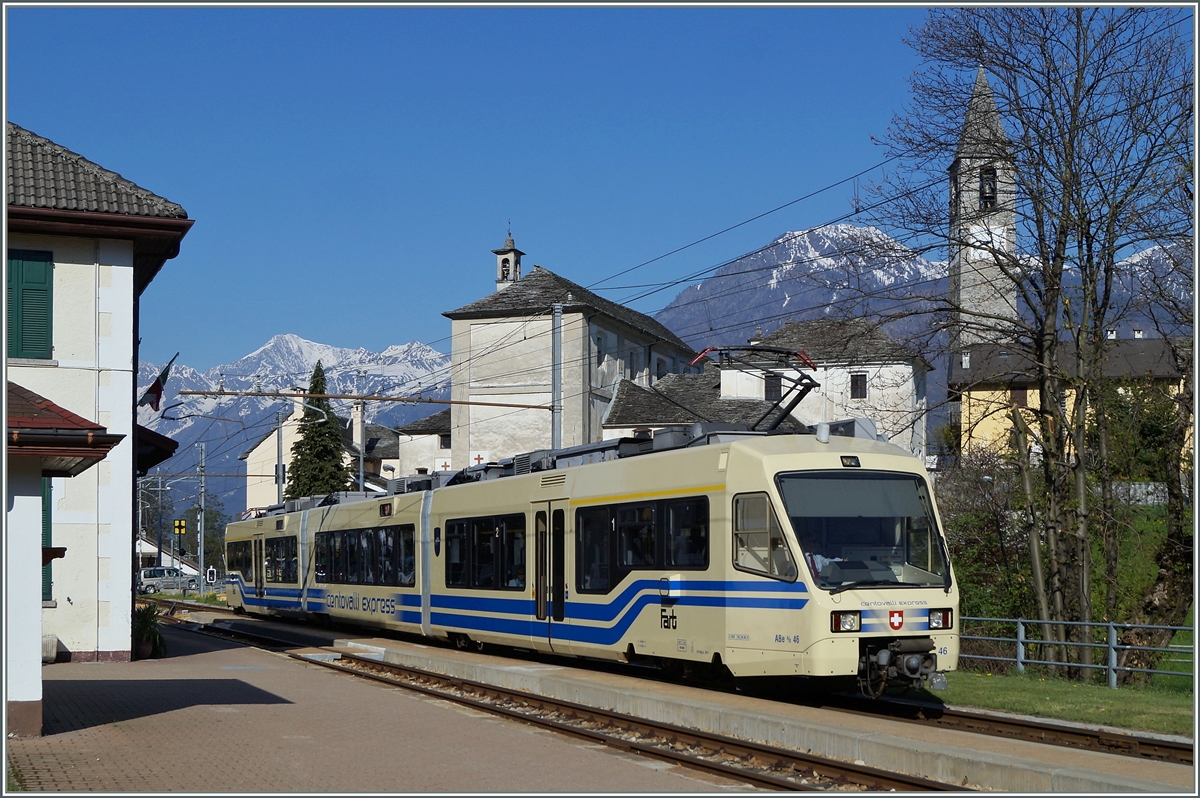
[154, 580]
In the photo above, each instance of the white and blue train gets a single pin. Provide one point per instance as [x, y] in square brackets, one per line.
[767, 554]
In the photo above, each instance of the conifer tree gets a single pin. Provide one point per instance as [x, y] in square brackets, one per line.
[318, 456]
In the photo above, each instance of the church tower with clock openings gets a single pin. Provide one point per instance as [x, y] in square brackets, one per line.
[982, 241]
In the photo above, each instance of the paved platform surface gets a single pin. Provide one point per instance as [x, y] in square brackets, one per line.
[220, 717]
[960, 758]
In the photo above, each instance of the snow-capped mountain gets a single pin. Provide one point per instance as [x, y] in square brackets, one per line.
[229, 425]
[800, 275]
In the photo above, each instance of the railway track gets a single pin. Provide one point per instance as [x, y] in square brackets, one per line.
[740, 760]
[991, 724]
[1048, 733]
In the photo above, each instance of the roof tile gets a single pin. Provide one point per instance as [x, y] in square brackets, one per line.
[537, 291]
[42, 174]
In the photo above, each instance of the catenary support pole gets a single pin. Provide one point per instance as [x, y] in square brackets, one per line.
[556, 377]
[279, 457]
[200, 526]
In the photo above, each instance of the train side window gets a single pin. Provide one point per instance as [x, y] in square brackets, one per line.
[239, 558]
[280, 556]
[758, 542]
[385, 554]
[338, 557]
[635, 536]
[366, 557]
[687, 533]
[407, 576]
[350, 544]
[321, 557]
[593, 534]
[456, 554]
[513, 552]
[483, 552]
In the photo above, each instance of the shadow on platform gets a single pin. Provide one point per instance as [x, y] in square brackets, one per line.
[71, 705]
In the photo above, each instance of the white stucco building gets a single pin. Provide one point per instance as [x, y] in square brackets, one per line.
[501, 358]
[275, 447]
[83, 244]
[860, 371]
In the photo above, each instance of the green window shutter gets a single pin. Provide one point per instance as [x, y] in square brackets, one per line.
[47, 540]
[30, 303]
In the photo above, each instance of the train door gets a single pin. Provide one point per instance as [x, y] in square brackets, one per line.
[550, 575]
[260, 564]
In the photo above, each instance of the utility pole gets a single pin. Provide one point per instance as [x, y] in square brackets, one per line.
[279, 470]
[158, 555]
[556, 377]
[200, 524]
[362, 428]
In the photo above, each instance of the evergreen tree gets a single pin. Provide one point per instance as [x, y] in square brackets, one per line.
[318, 456]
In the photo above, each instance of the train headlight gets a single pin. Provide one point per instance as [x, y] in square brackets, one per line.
[849, 621]
[941, 619]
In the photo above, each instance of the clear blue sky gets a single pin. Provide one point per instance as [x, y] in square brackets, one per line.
[350, 169]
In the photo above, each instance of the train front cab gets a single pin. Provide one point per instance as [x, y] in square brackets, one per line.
[853, 528]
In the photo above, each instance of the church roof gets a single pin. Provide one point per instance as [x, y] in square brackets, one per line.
[983, 133]
[534, 293]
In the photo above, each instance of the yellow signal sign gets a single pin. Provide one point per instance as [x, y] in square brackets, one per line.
[180, 526]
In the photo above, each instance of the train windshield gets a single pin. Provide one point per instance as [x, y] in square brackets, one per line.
[865, 529]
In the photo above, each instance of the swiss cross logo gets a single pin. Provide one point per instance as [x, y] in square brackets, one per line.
[896, 619]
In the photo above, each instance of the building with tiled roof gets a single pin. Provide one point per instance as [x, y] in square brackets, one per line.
[502, 356]
[426, 444]
[861, 371]
[680, 400]
[83, 244]
[987, 380]
[379, 445]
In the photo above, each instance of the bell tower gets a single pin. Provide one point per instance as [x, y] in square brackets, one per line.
[508, 263]
[983, 232]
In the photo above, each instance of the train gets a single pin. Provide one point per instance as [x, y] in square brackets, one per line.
[816, 553]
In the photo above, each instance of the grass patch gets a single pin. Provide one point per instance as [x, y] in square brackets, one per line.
[1166, 711]
[1184, 661]
[12, 779]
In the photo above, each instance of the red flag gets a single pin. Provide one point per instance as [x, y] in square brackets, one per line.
[153, 394]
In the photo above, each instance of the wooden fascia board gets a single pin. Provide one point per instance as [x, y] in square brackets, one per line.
[155, 239]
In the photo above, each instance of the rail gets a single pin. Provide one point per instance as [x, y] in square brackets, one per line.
[1022, 643]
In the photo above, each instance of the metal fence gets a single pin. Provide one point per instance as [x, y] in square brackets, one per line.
[1022, 643]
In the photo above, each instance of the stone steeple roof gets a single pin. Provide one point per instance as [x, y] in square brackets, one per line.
[983, 135]
[535, 293]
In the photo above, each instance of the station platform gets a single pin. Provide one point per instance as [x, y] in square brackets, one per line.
[215, 716]
[962, 758]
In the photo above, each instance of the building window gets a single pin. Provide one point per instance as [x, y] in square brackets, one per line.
[444, 441]
[987, 188]
[660, 369]
[858, 386]
[30, 303]
[1019, 396]
[773, 388]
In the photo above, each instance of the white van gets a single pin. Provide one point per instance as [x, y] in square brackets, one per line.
[153, 580]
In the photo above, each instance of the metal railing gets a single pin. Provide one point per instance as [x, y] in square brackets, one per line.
[1022, 643]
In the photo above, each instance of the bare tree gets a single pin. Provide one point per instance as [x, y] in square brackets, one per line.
[1079, 127]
